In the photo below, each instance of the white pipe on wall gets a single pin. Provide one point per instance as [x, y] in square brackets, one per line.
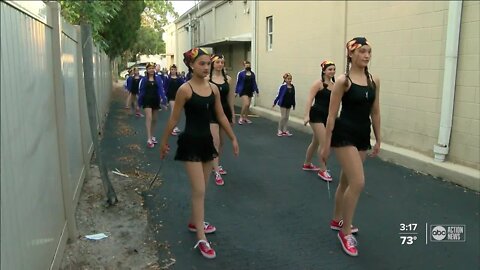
[441, 149]
[190, 31]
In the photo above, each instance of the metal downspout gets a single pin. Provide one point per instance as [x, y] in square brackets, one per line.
[441, 149]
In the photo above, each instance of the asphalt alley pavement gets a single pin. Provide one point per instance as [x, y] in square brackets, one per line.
[272, 215]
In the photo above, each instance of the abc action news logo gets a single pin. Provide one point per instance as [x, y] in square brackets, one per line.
[447, 233]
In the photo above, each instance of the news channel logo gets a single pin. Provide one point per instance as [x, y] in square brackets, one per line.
[448, 233]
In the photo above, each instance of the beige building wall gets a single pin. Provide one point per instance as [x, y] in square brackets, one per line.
[232, 18]
[408, 41]
[223, 26]
[465, 139]
[299, 46]
[408, 54]
[182, 44]
[170, 39]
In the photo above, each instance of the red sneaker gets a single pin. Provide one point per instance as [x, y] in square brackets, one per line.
[219, 180]
[349, 243]
[207, 227]
[310, 167]
[221, 170]
[206, 250]
[248, 121]
[337, 225]
[325, 175]
[150, 144]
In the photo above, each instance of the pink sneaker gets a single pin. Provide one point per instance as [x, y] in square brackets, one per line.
[349, 243]
[150, 144]
[139, 114]
[247, 121]
[280, 133]
[219, 180]
[207, 227]
[221, 170]
[325, 175]
[337, 225]
[310, 167]
[206, 250]
[287, 133]
[241, 121]
[154, 140]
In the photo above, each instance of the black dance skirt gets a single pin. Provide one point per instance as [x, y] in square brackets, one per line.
[350, 133]
[195, 148]
[318, 116]
[247, 92]
[171, 95]
[134, 91]
[228, 114]
[151, 102]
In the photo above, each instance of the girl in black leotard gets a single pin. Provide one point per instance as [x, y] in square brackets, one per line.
[316, 115]
[151, 95]
[172, 83]
[195, 144]
[128, 102]
[227, 95]
[285, 99]
[133, 83]
[246, 86]
[349, 135]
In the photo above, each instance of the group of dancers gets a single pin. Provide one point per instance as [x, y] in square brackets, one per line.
[207, 100]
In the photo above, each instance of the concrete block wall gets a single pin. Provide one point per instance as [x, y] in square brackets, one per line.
[465, 138]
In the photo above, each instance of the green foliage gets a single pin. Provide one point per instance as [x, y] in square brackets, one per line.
[155, 13]
[95, 13]
[122, 27]
[149, 41]
[121, 31]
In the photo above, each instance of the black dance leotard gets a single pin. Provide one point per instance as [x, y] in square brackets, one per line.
[353, 125]
[151, 99]
[195, 143]
[173, 85]
[224, 89]
[288, 98]
[247, 86]
[135, 84]
[319, 110]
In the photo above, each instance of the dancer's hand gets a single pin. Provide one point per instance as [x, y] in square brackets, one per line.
[324, 153]
[375, 150]
[236, 149]
[164, 149]
[306, 119]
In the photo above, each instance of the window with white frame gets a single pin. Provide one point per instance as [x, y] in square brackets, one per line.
[269, 33]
